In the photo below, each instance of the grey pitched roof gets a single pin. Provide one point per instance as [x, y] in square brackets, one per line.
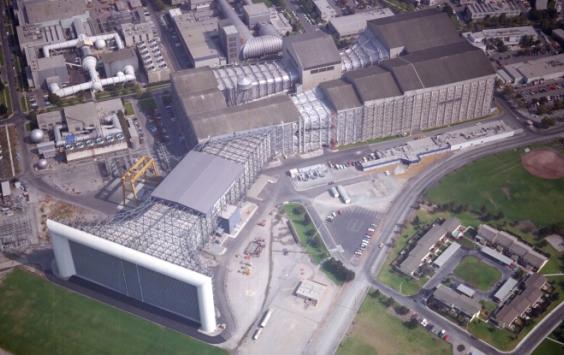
[454, 299]
[373, 83]
[199, 181]
[340, 94]
[197, 90]
[415, 30]
[439, 66]
[314, 49]
[257, 114]
[192, 81]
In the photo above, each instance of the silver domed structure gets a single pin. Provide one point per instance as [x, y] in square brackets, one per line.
[42, 164]
[100, 44]
[37, 135]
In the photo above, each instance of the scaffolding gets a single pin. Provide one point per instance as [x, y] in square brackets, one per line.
[365, 52]
[15, 232]
[159, 228]
[138, 170]
[247, 82]
[314, 127]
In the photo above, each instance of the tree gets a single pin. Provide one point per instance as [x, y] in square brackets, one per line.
[3, 109]
[411, 323]
[337, 268]
[388, 302]
[526, 41]
[401, 310]
[55, 99]
[547, 121]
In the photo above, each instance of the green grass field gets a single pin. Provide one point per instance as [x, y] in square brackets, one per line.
[549, 347]
[305, 230]
[476, 273]
[38, 317]
[501, 184]
[128, 107]
[375, 331]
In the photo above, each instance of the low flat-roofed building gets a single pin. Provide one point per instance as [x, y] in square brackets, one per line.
[311, 291]
[446, 255]
[200, 182]
[520, 304]
[468, 291]
[547, 68]
[47, 149]
[200, 40]
[48, 120]
[49, 12]
[53, 68]
[459, 302]
[479, 10]
[424, 247]
[315, 57]
[505, 290]
[6, 190]
[350, 26]
[134, 33]
[324, 10]
[255, 14]
[115, 61]
[511, 36]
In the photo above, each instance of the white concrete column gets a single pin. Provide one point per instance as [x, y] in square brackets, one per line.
[206, 306]
[63, 255]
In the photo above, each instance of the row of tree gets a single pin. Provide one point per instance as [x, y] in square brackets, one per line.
[340, 271]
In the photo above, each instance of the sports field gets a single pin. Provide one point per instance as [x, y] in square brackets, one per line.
[38, 317]
[477, 274]
[376, 331]
[499, 183]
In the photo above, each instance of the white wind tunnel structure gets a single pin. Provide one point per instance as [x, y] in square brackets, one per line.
[253, 47]
[149, 253]
[89, 63]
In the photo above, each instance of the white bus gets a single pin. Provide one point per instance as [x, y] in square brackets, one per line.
[265, 318]
[257, 334]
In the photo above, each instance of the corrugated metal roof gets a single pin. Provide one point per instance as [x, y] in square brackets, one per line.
[314, 49]
[415, 30]
[199, 181]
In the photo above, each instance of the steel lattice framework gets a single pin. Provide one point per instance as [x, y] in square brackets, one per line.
[164, 230]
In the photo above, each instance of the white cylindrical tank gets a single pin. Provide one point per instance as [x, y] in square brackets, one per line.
[37, 135]
[42, 164]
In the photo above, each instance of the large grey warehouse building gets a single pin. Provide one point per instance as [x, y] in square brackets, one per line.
[427, 76]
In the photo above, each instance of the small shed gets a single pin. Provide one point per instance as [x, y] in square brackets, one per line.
[311, 291]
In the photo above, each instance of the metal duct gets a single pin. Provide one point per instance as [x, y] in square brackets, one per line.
[253, 46]
[85, 40]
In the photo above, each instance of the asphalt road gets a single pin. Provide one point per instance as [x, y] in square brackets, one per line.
[330, 336]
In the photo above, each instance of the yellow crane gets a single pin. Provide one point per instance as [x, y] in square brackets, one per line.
[142, 166]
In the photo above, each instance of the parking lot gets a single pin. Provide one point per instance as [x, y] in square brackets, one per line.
[351, 226]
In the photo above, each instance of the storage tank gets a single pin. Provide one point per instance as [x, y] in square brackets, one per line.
[42, 164]
[37, 135]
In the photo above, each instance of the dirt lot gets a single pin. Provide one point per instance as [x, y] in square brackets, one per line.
[544, 163]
